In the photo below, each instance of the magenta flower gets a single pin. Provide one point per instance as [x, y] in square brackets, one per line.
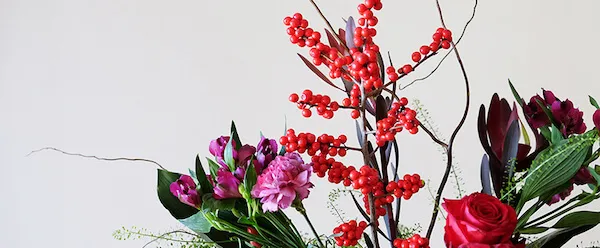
[266, 152]
[560, 196]
[287, 178]
[185, 190]
[533, 111]
[226, 185]
[569, 118]
[584, 177]
[217, 149]
[244, 155]
[596, 119]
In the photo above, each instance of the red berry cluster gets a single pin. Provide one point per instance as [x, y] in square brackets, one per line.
[399, 117]
[363, 35]
[325, 107]
[353, 101]
[253, 231]
[350, 232]
[318, 148]
[406, 186]
[416, 241]
[299, 31]
[367, 181]
[441, 39]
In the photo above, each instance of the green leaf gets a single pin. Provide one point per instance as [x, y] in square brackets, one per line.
[594, 103]
[228, 155]
[197, 223]
[545, 131]
[516, 94]
[556, 165]
[558, 238]
[205, 185]
[594, 173]
[193, 175]
[575, 219]
[555, 135]
[177, 209]
[213, 167]
[533, 230]
[235, 136]
[210, 204]
[250, 178]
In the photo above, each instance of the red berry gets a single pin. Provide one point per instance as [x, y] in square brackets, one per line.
[298, 16]
[416, 57]
[306, 113]
[447, 34]
[407, 69]
[445, 44]
[355, 114]
[437, 37]
[424, 50]
[286, 20]
[294, 97]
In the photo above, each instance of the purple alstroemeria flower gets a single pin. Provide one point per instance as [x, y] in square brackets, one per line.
[584, 177]
[217, 149]
[244, 155]
[226, 185]
[560, 196]
[534, 113]
[596, 119]
[185, 190]
[266, 152]
[569, 118]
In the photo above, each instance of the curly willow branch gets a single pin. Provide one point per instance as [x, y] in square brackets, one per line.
[438, 196]
[448, 53]
[96, 157]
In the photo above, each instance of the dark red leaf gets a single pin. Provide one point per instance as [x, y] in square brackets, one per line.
[318, 72]
[332, 41]
[482, 130]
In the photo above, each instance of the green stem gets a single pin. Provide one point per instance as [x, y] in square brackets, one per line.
[296, 232]
[302, 211]
[581, 202]
[530, 223]
[282, 229]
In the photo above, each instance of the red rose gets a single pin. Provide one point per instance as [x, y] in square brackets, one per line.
[479, 220]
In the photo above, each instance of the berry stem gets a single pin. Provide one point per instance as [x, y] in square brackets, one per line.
[435, 139]
[454, 133]
[346, 147]
[414, 67]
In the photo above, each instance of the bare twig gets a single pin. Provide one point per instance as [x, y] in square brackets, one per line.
[329, 24]
[433, 137]
[456, 130]
[96, 157]
[447, 54]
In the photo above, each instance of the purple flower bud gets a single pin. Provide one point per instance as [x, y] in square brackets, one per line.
[244, 155]
[185, 190]
[560, 196]
[267, 151]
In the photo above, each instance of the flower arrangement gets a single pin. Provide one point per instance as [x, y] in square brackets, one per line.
[240, 197]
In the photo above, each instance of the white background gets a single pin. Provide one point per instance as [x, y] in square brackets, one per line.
[160, 79]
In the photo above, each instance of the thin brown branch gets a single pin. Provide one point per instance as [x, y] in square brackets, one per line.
[447, 54]
[329, 24]
[96, 157]
[454, 133]
[433, 137]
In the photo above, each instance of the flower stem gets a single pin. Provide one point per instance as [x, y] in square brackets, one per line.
[302, 211]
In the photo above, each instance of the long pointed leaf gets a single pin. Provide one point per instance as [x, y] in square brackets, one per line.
[317, 72]
[349, 34]
[485, 175]
[205, 185]
[511, 146]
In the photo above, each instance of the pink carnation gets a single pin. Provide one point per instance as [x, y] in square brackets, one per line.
[286, 179]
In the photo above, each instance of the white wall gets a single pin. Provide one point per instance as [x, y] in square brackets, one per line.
[160, 79]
